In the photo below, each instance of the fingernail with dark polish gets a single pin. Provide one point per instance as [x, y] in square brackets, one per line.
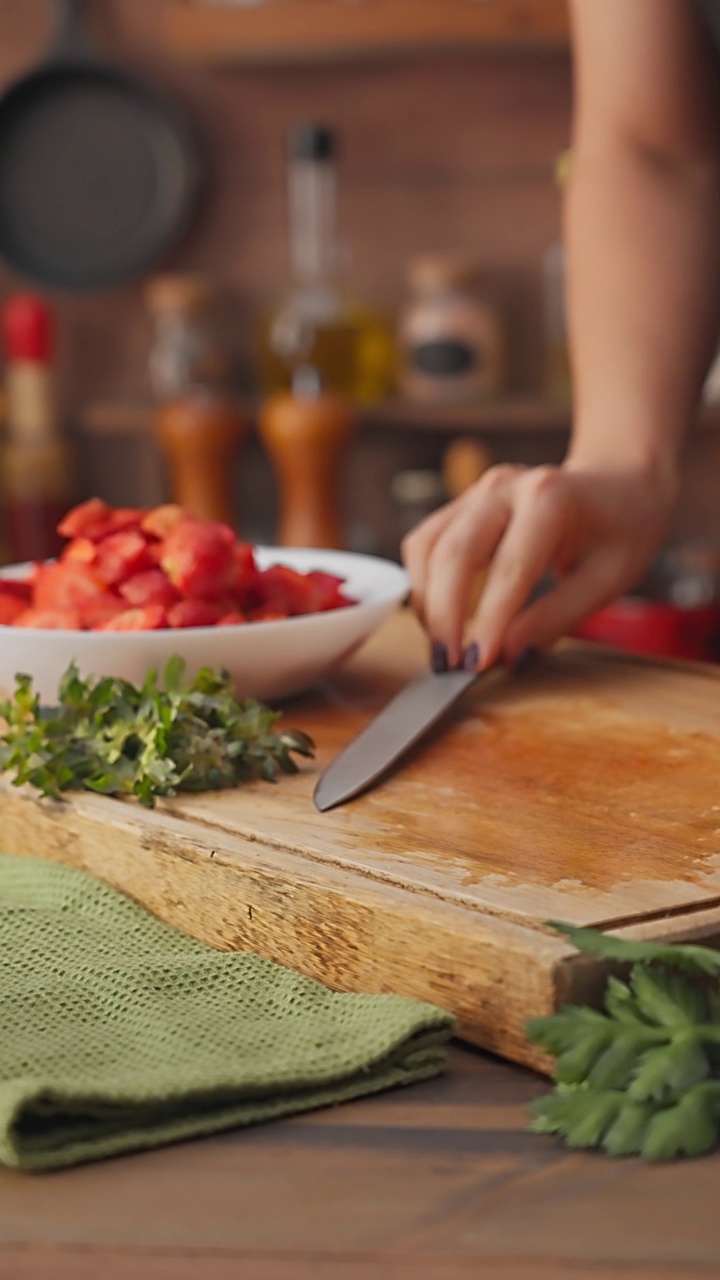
[471, 657]
[524, 660]
[440, 660]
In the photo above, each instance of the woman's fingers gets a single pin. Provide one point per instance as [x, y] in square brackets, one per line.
[466, 545]
[417, 548]
[602, 576]
[526, 552]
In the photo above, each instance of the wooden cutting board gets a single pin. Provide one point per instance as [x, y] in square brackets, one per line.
[587, 790]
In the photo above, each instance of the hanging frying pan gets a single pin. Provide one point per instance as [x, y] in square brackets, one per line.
[98, 175]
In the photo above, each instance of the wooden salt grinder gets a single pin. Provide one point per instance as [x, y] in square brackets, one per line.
[306, 432]
[200, 438]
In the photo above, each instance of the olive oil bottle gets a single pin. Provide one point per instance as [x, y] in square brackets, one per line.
[317, 323]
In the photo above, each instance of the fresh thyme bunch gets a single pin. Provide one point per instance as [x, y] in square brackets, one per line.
[108, 736]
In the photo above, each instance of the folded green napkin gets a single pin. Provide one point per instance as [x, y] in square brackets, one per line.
[118, 1032]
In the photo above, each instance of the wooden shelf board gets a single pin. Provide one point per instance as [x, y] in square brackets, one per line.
[311, 29]
[521, 413]
[514, 414]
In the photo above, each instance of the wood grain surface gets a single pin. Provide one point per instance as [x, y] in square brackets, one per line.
[438, 1182]
[585, 790]
[317, 28]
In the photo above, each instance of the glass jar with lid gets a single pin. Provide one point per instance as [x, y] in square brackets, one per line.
[451, 338]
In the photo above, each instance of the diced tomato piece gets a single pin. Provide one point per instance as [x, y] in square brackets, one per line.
[83, 517]
[10, 608]
[284, 591]
[161, 520]
[245, 572]
[101, 609]
[193, 613]
[121, 556]
[232, 619]
[94, 519]
[50, 619]
[66, 585]
[83, 550]
[325, 591]
[265, 613]
[18, 588]
[198, 557]
[151, 617]
[152, 586]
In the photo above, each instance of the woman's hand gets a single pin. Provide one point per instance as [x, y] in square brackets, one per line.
[595, 529]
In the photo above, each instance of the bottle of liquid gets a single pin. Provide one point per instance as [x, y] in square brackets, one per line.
[306, 432]
[199, 421]
[317, 323]
[451, 339]
[36, 466]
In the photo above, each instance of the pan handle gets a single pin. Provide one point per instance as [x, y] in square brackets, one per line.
[70, 41]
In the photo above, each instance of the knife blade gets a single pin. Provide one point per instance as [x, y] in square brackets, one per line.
[414, 710]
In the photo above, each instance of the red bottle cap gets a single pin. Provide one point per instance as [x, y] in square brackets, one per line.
[27, 328]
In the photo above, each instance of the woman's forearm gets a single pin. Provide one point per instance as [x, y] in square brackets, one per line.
[643, 236]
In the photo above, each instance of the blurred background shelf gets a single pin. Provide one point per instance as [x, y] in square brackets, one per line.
[515, 414]
[231, 32]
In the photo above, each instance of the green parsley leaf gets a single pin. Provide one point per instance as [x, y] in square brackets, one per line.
[642, 1076]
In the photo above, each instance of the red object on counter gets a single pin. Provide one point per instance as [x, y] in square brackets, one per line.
[28, 329]
[36, 463]
[656, 628]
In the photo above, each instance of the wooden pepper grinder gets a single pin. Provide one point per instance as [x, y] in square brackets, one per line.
[199, 421]
[306, 432]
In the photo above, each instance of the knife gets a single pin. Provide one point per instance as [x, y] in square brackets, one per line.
[390, 735]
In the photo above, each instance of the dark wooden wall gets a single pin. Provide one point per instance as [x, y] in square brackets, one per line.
[446, 152]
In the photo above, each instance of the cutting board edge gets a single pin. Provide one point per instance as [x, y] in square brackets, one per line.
[492, 973]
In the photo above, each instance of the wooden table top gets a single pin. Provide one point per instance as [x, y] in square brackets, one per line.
[441, 1181]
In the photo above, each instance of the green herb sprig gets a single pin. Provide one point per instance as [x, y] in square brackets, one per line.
[107, 735]
[642, 1075]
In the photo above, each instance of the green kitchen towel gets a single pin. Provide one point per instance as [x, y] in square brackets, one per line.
[117, 1032]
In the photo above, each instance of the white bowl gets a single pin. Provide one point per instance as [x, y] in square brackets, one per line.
[267, 660]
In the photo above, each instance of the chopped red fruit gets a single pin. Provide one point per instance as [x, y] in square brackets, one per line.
[50, 619]
[232, 619]
[326, 592]
[83, 550]
[193, 613]
[87, 515]
[21, 588]
[161, 520]
[121, 555]
[283, 590]
[129, 569]
[99, 610]
[10, 609]
[152, 586]
[198, 557]
[94, 519]
[151, 617]
[66, 585]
